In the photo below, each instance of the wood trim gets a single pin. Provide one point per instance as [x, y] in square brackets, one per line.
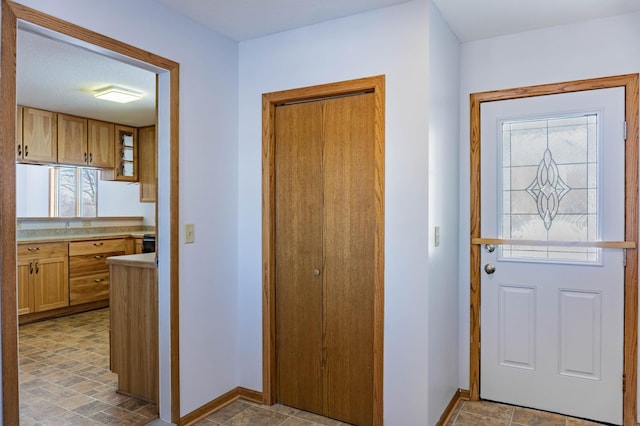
[630, 83]
[221, 402]
[11, 13]
[8, 306]
[174, 249]
[269, 101]
[540, 243]
[460, 395]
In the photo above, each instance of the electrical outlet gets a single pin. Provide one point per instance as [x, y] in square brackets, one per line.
[189, 233]
[86, 223]
[436, 237]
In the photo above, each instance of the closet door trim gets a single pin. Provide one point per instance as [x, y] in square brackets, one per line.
[376, 85]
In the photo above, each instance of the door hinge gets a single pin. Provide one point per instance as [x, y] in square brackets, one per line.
[625, 130]
[624, 258]
[624, 382]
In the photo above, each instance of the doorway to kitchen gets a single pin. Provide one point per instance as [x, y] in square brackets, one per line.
[13, 16]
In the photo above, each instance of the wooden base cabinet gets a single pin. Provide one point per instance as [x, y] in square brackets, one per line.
[43, 276]
[88, 270]
[134, 325]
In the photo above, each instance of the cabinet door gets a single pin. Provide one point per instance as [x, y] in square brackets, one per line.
[147, 168]
[24, 289]
[51, 283]
[72, 140]
[100, 144]
[39, 136]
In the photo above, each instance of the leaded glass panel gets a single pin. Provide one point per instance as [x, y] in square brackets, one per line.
[550, 186]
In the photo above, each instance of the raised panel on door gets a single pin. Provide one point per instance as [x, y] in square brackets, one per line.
[24, 289]
[100, 144]
[298, 269]
[39, 137]
[51, 286]
[147, 167]
[350, 227]
[72, 140]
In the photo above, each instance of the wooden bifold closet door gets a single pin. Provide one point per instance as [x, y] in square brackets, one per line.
[324, 269]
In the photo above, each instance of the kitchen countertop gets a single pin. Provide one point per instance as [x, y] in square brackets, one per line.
[144, 260]
[78, 237]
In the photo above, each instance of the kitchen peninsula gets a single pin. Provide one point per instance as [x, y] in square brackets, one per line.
[134, 324]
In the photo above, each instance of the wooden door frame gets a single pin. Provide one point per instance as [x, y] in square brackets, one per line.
[630, 83]
[11, 13]
[269, 101]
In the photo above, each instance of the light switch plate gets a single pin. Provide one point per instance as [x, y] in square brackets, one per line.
[189, 233]
[436, 238]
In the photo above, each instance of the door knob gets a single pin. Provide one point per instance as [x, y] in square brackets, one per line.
[316, 272]
[489, 268]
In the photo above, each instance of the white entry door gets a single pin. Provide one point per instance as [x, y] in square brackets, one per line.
[552, 314]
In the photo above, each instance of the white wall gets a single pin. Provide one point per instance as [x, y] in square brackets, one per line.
[394, 42]
[114, 198]
[208, 179]
[444, 87]
[597, 48]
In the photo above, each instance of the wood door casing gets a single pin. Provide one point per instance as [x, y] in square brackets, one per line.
[325, 226]
[298, 253]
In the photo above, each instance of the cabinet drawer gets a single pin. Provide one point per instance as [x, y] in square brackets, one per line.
[90, 263]
[41, 250]
[89, 288]
[96, 246]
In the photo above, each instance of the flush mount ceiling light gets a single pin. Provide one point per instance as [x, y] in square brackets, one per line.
[118, 94]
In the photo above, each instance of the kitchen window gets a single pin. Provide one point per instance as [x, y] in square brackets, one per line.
[73, 192]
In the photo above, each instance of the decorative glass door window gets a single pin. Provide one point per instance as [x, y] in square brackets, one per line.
[550, 186]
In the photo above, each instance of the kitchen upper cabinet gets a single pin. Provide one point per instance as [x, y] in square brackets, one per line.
[126, 155]
[43, 277]
[100, 144]
[147, 163]
[38, 143]
[72, 140]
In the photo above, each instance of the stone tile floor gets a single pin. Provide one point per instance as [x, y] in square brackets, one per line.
[484, 413]
[65, 377]
[65, 380]
[242, 413]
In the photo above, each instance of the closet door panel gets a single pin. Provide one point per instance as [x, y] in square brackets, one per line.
[298, 269]
[350, 227]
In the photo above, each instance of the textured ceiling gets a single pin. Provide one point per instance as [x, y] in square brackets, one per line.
[59, 77]
[246, 19]
[479, 19]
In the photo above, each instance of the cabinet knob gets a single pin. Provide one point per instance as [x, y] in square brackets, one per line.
[98, 244]
[31, 267]
[33, 249]
[26, 151]
[316, 272]
[90, 158]
[37, 267]
[98, 256]
[19, 150]
[99, 280]
[85, 157]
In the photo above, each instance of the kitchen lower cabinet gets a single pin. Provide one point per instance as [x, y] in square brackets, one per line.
[43, 276]
[134, 301]
[89, 279]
